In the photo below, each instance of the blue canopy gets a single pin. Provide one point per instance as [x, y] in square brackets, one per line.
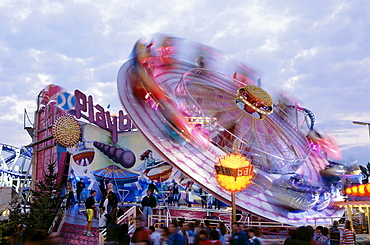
[116, 173]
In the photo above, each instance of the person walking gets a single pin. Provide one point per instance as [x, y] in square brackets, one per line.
[175, 237]
[239, 237]
[349, 236]
[253, 240]
[90, 206]
[334, 233]
[141, 234]
[80, 186]
[123, 236]
[214, 238]
[324, 238]
[222, 230]
[165, 235]
[203, 238]
[148, 203]
[184, 233]
[155, 237]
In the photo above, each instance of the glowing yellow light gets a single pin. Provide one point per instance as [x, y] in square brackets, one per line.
[240, 172]
[367, 189]
[361, 190]
[354, 190]
[348, 190]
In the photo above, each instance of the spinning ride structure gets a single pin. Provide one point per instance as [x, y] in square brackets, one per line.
[15, 167]
[186, 102]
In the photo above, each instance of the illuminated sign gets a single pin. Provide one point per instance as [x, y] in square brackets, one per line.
[98, 116]
[234, 172]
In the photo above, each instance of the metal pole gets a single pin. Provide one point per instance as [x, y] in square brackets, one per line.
[233, 206]
[368, 219]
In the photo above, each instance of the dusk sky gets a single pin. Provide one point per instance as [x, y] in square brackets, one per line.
[317, 51]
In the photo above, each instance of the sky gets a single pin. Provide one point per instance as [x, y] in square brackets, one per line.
[317, 51]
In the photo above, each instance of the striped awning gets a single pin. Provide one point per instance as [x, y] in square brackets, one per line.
[116, 173]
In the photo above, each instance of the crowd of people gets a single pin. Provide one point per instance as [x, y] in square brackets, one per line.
[323, 235]
[182, 232]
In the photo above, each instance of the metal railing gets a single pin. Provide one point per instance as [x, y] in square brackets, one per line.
[59, 217]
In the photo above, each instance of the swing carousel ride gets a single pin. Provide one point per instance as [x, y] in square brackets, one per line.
[194, 105]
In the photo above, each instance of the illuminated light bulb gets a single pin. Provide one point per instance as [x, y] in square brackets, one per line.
[361, 190]
[367, 189]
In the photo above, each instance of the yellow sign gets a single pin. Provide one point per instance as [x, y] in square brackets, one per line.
[234, 172]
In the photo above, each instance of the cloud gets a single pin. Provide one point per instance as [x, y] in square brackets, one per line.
[317, 51]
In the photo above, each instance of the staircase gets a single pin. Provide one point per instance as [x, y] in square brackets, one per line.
[74, 234]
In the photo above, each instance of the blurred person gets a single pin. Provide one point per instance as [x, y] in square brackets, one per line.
[189, 194]
[102, 222]
[155, 237]
[207, 226]
[175, 238]
[141, 234]
[214, 237]
[197, 228]
[90, 206]
[203, 238]
[112, 201]
[191, 232]
[152, 187]
[334, 233]
[349, 236]
[102, 185]
[238, 237]
[80, 186]
[176, 193]
[104, 201]
[123, 236]
[165, 235]
[70, 193]
[170, 196]
[109, 186]
[317, 234]
[102, 218]
[324, 239]
[301, 236]
[217, 203]
[113, 230]
[38, 237]
[17, 237]
[258, 234]
[203, 196]
[54, 238]
[253, 240]
[148, 203]
[184, 233]
[222, 230]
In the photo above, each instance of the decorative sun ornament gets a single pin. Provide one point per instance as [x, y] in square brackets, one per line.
[255, 99]
[66, 131]
[234, 172]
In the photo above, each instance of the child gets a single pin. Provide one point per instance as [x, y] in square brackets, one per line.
[203, 238]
